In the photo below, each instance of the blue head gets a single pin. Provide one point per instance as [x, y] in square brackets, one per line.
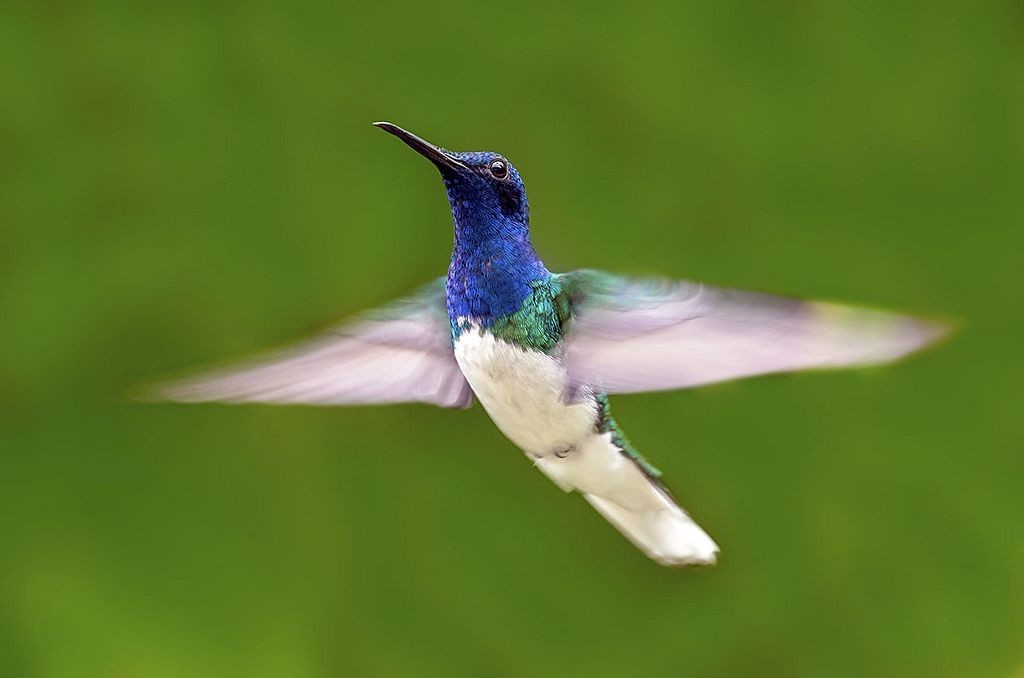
[493, 261]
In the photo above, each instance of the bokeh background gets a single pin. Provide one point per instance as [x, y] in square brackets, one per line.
[181, 183]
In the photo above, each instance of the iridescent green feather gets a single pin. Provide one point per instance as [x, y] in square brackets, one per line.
[606, 424]
[540, 322]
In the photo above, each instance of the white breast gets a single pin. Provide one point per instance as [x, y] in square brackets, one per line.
[523, 391]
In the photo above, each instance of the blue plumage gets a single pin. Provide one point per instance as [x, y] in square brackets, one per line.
[493, 263]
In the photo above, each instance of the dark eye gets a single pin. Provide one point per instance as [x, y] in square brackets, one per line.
[499, 169]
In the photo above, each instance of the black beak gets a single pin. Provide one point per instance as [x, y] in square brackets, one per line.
[444, 160]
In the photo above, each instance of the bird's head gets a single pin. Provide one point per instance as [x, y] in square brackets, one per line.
[487, 195]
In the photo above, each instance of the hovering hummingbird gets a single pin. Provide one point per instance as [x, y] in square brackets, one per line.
[542, 352]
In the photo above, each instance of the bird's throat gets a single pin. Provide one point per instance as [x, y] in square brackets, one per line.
[492, 270]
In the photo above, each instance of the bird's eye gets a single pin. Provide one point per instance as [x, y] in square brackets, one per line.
[499, 169]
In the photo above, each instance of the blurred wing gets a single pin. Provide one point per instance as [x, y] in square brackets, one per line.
[648, 335]
[399, 353]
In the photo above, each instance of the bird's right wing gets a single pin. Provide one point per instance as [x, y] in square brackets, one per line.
[399, 353]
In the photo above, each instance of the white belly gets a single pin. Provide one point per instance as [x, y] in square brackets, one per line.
[523, 391]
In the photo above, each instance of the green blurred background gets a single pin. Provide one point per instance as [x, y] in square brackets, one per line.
[184, 183]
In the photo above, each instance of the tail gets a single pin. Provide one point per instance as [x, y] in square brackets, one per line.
[624, 489]
[664, 531]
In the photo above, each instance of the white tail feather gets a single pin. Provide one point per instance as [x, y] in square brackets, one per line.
[666, 534]
[631, 501]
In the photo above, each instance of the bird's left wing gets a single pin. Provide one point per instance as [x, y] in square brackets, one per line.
[399, 353]
[631, 335]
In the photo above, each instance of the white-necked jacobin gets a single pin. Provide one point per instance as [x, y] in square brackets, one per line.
[542, 351]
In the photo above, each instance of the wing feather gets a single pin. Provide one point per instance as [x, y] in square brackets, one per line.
[399, 353]
[647, 335]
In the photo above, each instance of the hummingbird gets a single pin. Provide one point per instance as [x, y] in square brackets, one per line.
[542, 351]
